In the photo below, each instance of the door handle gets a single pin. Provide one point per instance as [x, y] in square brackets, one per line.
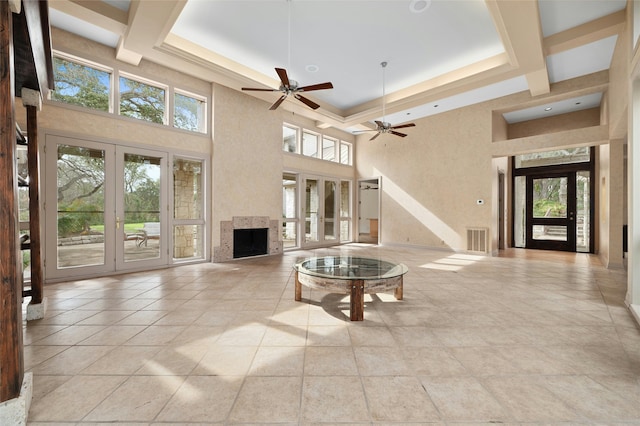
[117, 223]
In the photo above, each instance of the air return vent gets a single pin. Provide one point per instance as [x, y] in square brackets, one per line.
[477, 240]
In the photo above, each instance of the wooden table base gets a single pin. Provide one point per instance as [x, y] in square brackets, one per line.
[356, 288]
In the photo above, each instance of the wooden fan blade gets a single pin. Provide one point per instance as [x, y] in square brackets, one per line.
[306, 101]
[277, 103]
[282, 73]
[403, 126]
[320, 86]
[375, 136]
[260, 90]
[402, 135]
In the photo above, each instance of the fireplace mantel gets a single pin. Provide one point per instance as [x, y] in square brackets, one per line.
[224, 252]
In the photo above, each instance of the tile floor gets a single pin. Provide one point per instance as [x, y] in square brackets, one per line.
[526, 338]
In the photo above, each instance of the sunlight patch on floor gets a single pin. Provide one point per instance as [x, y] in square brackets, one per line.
[455, 262]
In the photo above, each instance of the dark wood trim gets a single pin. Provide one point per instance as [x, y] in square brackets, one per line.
[11, 356]
[37, 276]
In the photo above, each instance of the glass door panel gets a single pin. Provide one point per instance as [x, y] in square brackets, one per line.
[311, 210]
[321, 210]
[80, 211]
[139, 216]
[330, 212]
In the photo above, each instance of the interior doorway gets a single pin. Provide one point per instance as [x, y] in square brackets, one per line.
[369, 211]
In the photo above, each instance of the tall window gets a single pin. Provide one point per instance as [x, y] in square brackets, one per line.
[345, 210]
[81, 84]
[189, 112]
[289, 210]
[142, 101]
[188, 209]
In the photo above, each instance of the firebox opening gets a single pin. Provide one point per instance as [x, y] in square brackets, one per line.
[250, 242]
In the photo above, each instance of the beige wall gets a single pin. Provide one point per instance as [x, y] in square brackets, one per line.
[431, 180]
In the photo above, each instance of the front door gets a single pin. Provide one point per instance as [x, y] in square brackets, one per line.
[551, 211]
[320, 211]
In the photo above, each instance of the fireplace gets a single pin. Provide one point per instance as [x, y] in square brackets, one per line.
[225, 251]
[250, 242]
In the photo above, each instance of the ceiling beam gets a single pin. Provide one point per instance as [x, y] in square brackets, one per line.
[98, 13]
[148, 25]
[518, 24]
[589, 32]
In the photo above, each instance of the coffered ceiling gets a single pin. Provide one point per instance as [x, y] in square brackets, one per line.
[441, 54]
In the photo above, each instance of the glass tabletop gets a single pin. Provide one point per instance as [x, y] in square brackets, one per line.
[350, 267]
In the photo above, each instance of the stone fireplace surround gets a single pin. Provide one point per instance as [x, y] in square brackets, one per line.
[224, 252]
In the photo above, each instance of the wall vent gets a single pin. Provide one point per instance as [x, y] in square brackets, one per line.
[477, 240]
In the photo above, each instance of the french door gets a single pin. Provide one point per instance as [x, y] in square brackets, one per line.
[320, 211]
[106, 207]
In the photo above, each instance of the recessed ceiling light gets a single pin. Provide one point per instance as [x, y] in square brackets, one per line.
[312, 68]
[548, 109]
[419, 6]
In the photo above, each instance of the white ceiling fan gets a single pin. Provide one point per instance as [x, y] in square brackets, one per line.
[383, 126]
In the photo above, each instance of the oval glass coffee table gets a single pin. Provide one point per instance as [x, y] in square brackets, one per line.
[351, 275]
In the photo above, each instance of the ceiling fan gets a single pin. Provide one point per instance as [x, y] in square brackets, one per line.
[290, 87]
[383, 126]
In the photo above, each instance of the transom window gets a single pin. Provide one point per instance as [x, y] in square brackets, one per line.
[311, 144]
[89, 85]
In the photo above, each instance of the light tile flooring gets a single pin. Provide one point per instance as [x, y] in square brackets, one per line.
[527, 338]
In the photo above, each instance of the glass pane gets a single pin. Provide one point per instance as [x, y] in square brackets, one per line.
[583, 212]
[330, 219]
[562, 156]
[187, 189]
[345, 153]
[80, 209]
[309, 144]
[519, 212]
[345, 230]
[550, 197]
[345, 199]
[141, 207]
[289, 196]
[289, 238]
[142, 101]
[81, 85]
[189, 113]
[289, 139]
[553, 232]
[328, 149]
[188, 242]
[311, 210]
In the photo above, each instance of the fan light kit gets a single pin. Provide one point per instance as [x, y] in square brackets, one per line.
[383, 126]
